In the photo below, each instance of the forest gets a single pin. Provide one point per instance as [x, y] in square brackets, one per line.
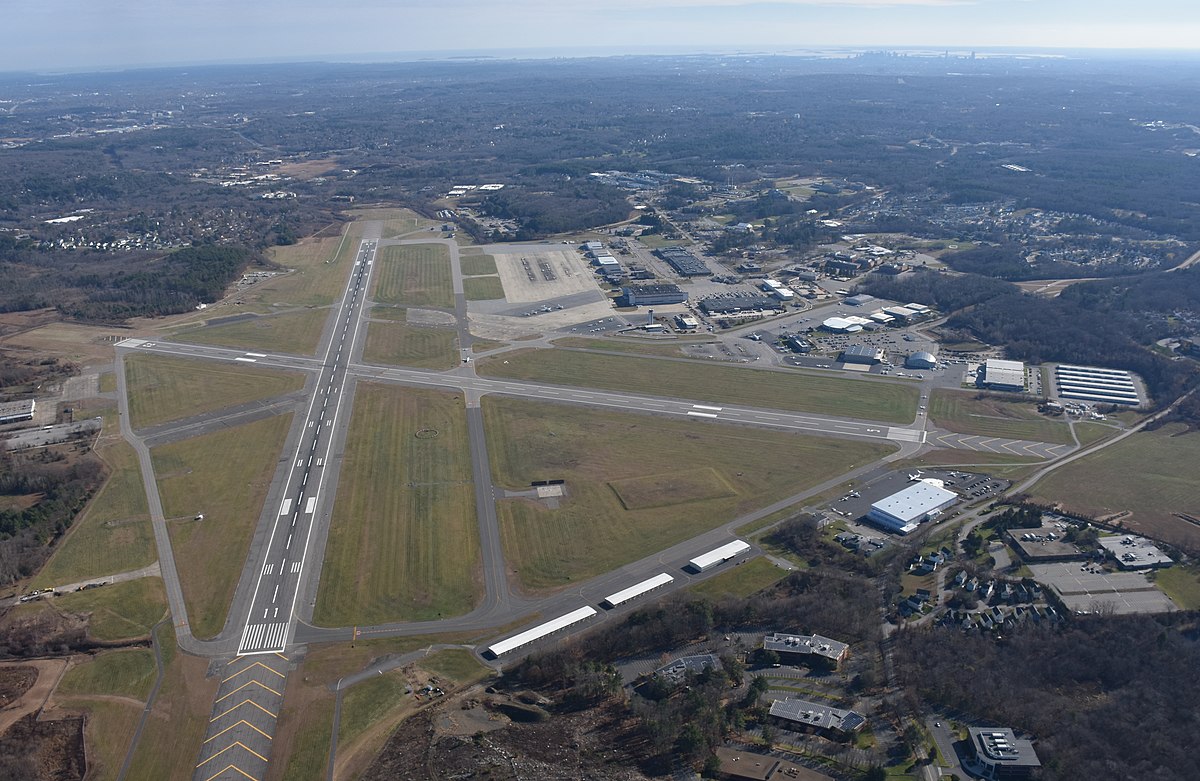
[1107, 696]
[43, 493]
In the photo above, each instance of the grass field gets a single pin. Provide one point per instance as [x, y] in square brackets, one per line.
[591, 532]
[113, 534]
[741, 581]
[991, 416]
[309, 754]
[404, 542]
[163, 389]
[704, 382]
[483, 345]
[998, 464]
[1152, 474]
[121, 611]
[127, 672]
[668, 488]
[109, 730]
[483, 288]
[1090, 433]
[320, 268]
[210, 553]
[457, 664]
[396, 222]
[108, 382]
[297, 332]
[175, 729]
[415, 275]
[669, 349]
[398, 344]
[1181, 584]
[477, 265]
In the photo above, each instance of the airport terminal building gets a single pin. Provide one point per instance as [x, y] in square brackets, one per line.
[904, 511]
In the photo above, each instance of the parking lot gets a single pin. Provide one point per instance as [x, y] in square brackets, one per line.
[1086, 588]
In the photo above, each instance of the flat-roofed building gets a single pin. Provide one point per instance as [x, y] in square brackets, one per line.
[857, 353]
[1002, 375]
[905, 510]
[641, 295]
[739, 765]
[997, 753]
[16, 411]
[805, 649]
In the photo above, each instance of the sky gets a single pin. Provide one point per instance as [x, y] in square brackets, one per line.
[52, 35]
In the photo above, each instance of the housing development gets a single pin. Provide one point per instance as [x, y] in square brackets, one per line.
[610, 465]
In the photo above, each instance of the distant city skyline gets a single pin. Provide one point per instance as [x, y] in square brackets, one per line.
[52, 35]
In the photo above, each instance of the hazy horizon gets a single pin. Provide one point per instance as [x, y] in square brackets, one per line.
[67, 35]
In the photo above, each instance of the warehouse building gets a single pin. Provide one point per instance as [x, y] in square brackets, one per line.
[650, 295]
[724, 305]
[1091, 383]
[1002, 375]
[16, 411]
[904, 511]
[862, 299]
[685, 263]
[857, 353]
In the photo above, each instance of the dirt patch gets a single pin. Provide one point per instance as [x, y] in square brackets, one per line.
[430, 317]
[29, 700]
[43, 750]
[591, 744]
[14, 682]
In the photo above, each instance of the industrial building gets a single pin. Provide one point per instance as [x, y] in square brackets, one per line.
[806, 716]
[685, 263]
[538, 632]
[15, 411]
[719, 555]
[906, 510]
[1090, 383]
[804, 649]
[1002, 375]
[637, 590]
[723, 305]
[650, 295]
[740, 765]
[920, 360]
[862, 299]
[998, 754]
[686, 323]
[857, 353]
